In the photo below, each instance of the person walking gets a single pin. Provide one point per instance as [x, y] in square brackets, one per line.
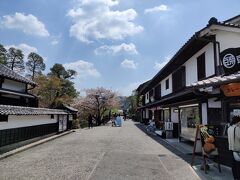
[114, 119]
[234, 145]
[90, 121]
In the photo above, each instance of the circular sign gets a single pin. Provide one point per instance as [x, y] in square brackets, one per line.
[229, 60]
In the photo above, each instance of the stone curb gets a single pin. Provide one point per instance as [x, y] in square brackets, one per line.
[23, 148]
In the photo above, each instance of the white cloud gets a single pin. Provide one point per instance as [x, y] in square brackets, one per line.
[130, 64]
[116, 49]
[83, 69]
[156, 9]
[95, 20]
[54, 42]
[127, 90]
[160, 65]
[26, 49]
[29, 24]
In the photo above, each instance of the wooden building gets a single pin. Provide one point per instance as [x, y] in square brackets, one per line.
[14, 89]
[199, 85]
[20, 117]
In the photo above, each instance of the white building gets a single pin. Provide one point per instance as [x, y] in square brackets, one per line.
[199, 85]
[20, 119]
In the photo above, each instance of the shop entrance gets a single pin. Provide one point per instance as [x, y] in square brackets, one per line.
[189, 118]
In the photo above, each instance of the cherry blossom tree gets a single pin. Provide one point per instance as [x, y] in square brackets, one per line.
[97, 102]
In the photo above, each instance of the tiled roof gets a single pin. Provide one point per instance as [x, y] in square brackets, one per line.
[70, 108]
[229, 24]
[8, 73]
[20, 110]
[216, 80]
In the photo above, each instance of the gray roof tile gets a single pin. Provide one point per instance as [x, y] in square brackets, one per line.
[8, 73]
[20, 110]
[216, 80]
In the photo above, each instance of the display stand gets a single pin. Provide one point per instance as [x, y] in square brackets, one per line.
[200, 138]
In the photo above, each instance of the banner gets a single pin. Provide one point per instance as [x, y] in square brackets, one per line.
[230, 59]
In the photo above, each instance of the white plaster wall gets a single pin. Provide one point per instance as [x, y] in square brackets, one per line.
[228, 39]
[147, 113]
[147, 97]
[204, 114]
[174, 116]
[13, 85]
[165, 91]
[191, 64]
[26, 120]
[214, 104]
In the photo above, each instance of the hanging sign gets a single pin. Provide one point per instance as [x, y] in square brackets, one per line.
[232, 89]
[230, 59]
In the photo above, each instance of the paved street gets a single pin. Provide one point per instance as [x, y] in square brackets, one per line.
[101, 153]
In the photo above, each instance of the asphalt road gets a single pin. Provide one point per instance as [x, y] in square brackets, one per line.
[101, 153]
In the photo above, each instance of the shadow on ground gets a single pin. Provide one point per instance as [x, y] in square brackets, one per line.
[186, 157]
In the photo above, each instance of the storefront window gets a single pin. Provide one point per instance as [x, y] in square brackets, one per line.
[189, 117]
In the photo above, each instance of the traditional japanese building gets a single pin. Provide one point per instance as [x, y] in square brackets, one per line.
[20, 117]
[199, 85]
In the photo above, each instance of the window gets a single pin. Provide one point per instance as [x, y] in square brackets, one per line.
[201, 67]
[167, 84]
[179, 79]
[157, 92]
[3, 118]
[52, 116]
[189, 117]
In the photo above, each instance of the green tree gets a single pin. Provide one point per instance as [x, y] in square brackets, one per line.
[35, 64]
[59, 71]
[3, 53]
[15, 59]
[53, 91]
[132, 105]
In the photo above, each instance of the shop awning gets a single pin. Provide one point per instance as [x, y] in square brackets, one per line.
[216, 81]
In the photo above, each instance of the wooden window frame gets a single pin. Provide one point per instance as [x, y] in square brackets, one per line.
[201, 67]
[167, 84]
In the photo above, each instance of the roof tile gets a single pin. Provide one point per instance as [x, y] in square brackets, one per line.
[8, 73]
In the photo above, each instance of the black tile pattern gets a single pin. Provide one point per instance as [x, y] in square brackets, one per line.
[8, 73]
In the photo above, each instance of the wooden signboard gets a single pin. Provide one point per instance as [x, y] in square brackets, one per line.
[232, 89]
[201, 136]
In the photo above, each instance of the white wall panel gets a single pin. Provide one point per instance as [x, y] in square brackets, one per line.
[228, 39]
[27, 120]
[204, 113]
[147, 97]
[13, 85]
[174, 116]
[191, 64]
[165, 91]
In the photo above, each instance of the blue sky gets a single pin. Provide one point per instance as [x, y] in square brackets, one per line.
[116, 44]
